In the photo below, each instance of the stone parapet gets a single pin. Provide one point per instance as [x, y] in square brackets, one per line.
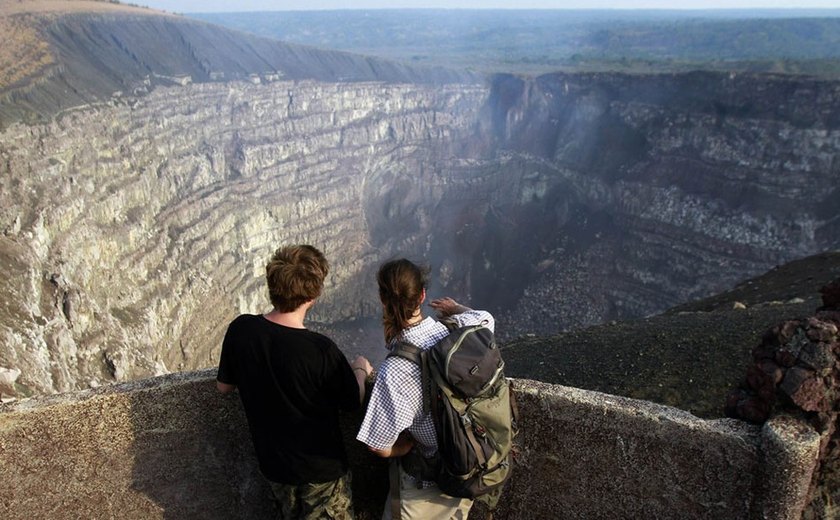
[172, 447]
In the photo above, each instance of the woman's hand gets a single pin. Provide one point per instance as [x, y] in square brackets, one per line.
[447, 307]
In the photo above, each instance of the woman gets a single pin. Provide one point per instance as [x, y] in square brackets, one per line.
[395, 425]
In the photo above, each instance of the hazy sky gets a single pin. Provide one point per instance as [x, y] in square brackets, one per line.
[192, 6]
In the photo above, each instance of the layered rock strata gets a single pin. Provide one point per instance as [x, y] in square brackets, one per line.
[652, 191]
[132, 234]
[136, 225]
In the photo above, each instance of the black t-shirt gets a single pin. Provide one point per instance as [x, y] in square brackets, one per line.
[292, 382]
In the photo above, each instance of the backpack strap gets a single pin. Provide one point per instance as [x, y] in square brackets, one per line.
[479, 453]
[449, 323]
[407, 351]
[394, 491]
[468, 430]
[414, 354]
[514, 408]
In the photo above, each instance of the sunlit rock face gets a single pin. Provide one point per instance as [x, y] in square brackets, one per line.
[133, 231]
[133, 234]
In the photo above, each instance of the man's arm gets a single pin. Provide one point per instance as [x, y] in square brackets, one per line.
[227, 365]
[224, 387]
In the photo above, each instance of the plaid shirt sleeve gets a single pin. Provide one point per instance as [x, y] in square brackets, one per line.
[472, 317]
[395, 401]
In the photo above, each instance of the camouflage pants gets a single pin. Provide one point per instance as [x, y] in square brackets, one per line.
[318, 501]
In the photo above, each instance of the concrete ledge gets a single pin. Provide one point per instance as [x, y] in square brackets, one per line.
[791, 450]
[171, 447]
[592, 455]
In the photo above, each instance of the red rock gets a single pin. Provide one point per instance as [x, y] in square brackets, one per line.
[758, 378]
[730, 407]
[765, 350]
[812, 395]
[785, 358]
[832, 316]
[818, 330]
[794, 377]
[787, 330]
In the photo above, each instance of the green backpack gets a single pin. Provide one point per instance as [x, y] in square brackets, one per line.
[473, 408]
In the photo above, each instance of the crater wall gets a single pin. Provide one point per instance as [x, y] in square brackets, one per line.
[133, 233]
[134, 229]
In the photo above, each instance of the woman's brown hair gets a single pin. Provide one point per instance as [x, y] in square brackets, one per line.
[401, 285]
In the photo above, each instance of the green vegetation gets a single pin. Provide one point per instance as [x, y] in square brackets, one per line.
[23, 52]
[786, 42]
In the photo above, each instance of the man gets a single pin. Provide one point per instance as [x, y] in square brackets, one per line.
[293, 382]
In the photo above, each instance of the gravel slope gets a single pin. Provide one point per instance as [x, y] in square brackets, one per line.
[688, 357]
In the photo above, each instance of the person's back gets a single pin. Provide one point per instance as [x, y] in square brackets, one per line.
[293, 382]
[396, 426]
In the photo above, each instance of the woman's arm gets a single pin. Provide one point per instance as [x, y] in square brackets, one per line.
[446, 307]
[403, 445]
[362, 370]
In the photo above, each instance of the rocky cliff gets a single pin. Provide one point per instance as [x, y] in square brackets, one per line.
[656, 190]
[133, 233]
[136, 225]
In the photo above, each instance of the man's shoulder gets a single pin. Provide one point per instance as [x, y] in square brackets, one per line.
[244, 322]
[319, 338]
[247, 318]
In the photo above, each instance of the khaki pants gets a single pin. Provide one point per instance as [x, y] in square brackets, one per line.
[426, 504]
[317, 501]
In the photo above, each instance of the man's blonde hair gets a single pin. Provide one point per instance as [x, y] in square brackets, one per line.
[295, 275]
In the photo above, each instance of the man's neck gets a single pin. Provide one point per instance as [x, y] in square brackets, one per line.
[292, 319]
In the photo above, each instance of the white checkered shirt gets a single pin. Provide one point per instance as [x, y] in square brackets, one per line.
[396, 402]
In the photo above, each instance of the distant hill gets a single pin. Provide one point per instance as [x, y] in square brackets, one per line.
[534, 41]
[26, 51]
[688, 357]
[80, 52]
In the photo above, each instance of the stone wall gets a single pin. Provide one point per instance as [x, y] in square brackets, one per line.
[795, 371]
[172, 447]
